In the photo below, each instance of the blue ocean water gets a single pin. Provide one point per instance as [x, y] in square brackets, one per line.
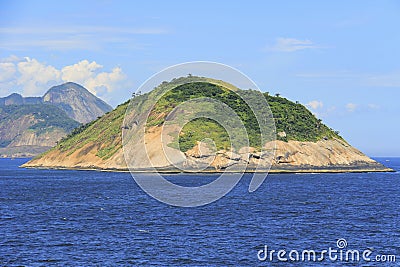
[89, 218]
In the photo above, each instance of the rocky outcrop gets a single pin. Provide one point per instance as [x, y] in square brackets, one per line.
[324, 155]
[293, 156]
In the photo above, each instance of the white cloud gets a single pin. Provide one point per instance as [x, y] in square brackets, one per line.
[11, 58]
[7, 71]
[315, 104]
[371, 107]
[32, 78]
[107, 80]
[88, 74]
[351, 107]
[291, 45]
[80, 72]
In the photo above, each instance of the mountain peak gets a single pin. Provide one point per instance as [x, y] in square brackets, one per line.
[76, 101]
[79, 104]
[67, 86]
[30, 125]
[14, 95]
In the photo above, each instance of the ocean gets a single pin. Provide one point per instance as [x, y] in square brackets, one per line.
[90, 218]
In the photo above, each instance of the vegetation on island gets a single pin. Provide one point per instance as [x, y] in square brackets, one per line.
[297, 122]
[201, 128]
[293, 121]
[105, 133]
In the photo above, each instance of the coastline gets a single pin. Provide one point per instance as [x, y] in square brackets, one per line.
[274, 170]
[325, 156]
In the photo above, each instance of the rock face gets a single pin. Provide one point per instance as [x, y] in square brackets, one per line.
[291, 156]
[76, 101]
[32, 125]
[27, 130]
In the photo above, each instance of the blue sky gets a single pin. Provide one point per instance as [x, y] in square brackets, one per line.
[341, 58]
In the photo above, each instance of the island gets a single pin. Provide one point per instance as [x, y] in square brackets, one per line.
[297, 141]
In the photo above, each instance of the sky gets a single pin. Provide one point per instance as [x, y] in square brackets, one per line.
[339, 58]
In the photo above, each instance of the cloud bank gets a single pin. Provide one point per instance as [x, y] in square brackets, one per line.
[32, 77]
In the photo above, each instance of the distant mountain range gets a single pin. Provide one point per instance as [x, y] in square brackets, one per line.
[31, 125]
[74, 99]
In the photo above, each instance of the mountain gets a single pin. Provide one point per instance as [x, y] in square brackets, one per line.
[32, 125]
[27, 130]
[17, 99]
[303, 144]
[76, 101]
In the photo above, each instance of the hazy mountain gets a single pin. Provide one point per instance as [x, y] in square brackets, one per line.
[26, 130]
[76, 101]
[17, 99]
[31, 125]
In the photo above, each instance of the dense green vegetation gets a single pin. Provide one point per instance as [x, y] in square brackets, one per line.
[293, 119]
[204, 127]
[296, 121]
[204, 130]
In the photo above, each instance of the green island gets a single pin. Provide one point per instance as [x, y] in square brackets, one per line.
[291, 118]
[301, 142]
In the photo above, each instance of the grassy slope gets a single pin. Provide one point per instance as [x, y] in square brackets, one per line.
[105, 132]
[294, 119]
